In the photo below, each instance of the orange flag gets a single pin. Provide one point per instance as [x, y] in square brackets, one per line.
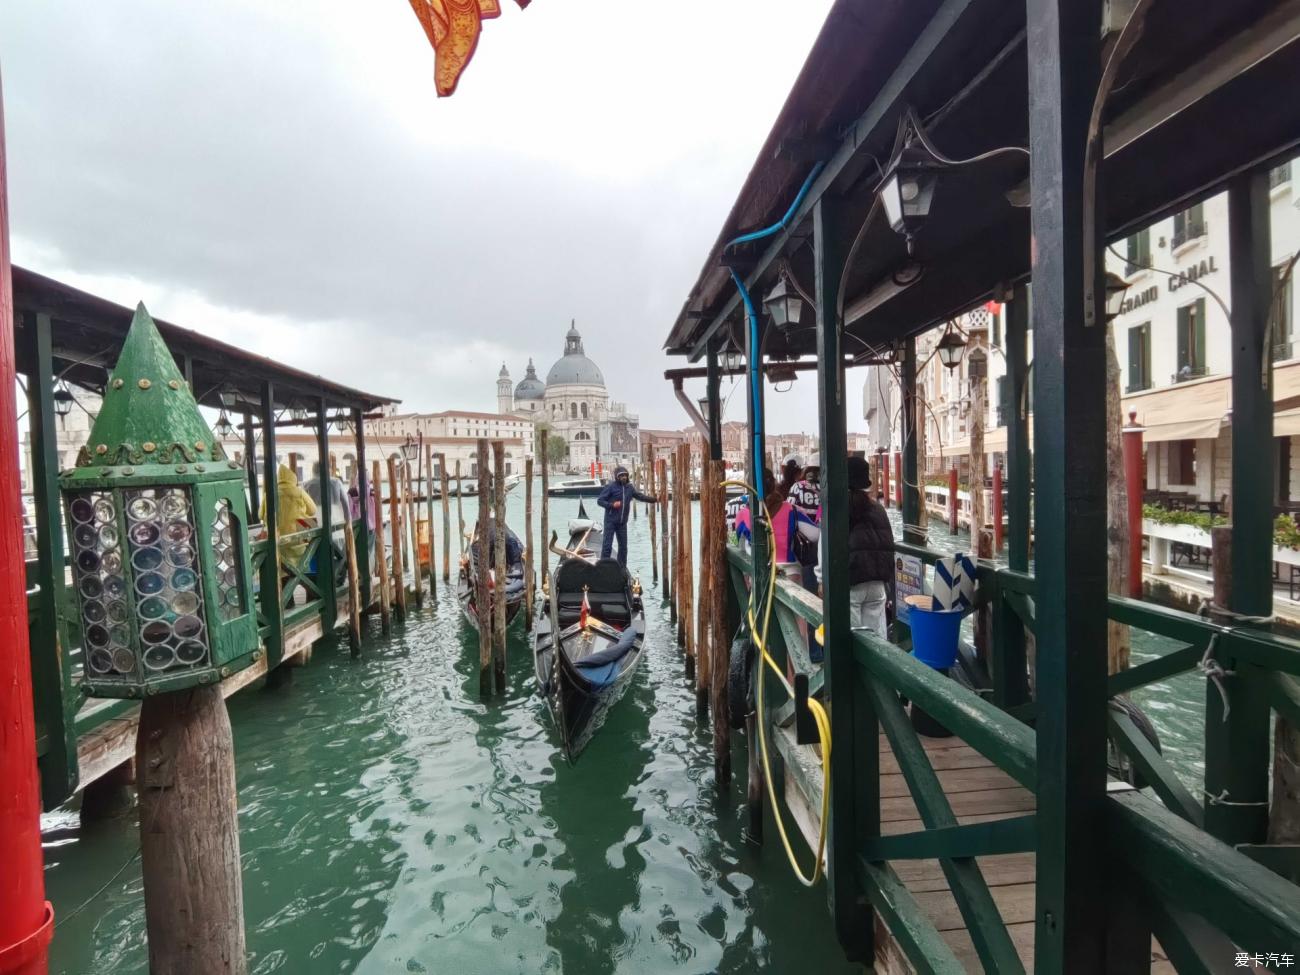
[452, 27]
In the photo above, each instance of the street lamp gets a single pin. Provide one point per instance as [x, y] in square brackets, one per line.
[63, 399]
[783, 304]
[907, 191]
[224, 427]
[410, 449]
[158, 523]
[227, 397]
[342, 422]
[299, 413]
[779, 372]
[950, 348]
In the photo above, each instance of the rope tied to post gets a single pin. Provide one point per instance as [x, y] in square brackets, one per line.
[1210, 608]
[1216, 672]
[1222, 800]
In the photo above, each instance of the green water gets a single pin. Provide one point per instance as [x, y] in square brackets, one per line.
[392, 822]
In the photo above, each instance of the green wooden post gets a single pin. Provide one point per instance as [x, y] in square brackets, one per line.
[56, 700]
[758, 562]
[250, 464]
[855, 773]
[363, 498]
[914, 516]
[713, 393]
[1237, 751]
[1010, 678]
[269, 594]
[325, 578]
[1070, 500]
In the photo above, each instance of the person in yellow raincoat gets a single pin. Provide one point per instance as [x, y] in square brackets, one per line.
[297, 511]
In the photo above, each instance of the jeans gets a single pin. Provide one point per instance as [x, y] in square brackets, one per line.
[809, 580]
[867, 601]
[617, 530]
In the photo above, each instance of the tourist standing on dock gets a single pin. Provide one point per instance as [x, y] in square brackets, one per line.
[355, 504]
[297, 512]
[871, 554]
[616, 499]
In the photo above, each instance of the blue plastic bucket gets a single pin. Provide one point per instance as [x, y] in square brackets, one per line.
[934, 632]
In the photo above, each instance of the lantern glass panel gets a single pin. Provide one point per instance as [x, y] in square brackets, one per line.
[227, 564]
[100, 585]
[168, 599]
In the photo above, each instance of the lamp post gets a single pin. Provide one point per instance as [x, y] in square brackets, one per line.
[410, 449]
[161, 568]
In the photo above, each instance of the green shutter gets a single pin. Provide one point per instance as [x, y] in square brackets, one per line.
[1200, 335]
[1134, 355]
[1183, 348]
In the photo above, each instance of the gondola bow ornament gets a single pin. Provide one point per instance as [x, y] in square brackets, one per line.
[453, 27]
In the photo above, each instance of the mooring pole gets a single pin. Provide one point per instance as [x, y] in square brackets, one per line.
[381, 556]
[499, 558]
[952, 501]
[1132, 443]
[688, 569]
[396, 528]
[482, 594]
[189, 834]
[545, 547]
[529, 593]
[997, 509]
[428, 516]
[446, 519]
[703, 619]
[715, 568]
[650, 509]
[411, 516]
[26, 918]
[460, 508]
[662, 466]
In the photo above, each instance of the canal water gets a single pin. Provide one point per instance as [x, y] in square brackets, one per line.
[390, 821]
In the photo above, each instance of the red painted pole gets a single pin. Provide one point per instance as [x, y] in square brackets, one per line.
[898, 478]
[882, 462]
[952, 499]
[997, 508]
[26, 918]
[1133, 490]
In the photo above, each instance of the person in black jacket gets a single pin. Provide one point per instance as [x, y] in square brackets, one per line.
[871, 554]
[615, 498]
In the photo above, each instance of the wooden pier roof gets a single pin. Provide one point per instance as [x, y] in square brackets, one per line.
[1173, 131]
[87, 332]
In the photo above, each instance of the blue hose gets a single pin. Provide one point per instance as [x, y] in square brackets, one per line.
[755, 356]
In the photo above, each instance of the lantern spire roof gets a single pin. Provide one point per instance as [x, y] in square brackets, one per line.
[149, 414]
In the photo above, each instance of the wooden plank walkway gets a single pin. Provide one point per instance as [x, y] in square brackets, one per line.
[979, 792]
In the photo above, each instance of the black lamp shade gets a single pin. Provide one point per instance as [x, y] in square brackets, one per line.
[950, 349]
[783, 304]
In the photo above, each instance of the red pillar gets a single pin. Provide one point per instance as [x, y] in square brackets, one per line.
[952, 499]
[1133, 490]
[898, 478]
[26, 918]
[997, 507]
[882, 464]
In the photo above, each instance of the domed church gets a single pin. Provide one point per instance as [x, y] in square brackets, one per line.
[574, 403]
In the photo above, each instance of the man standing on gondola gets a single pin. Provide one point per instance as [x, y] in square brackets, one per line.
[616, 497]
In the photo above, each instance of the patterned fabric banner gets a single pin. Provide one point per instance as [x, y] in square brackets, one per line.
[452, 27]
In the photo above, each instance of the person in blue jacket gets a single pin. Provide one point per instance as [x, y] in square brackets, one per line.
[616, 498]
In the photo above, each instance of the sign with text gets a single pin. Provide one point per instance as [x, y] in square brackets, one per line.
[909, 580]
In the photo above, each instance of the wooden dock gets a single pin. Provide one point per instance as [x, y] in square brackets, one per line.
[978, 792]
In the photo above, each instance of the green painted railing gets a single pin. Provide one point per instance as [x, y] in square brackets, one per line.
[1197, 893]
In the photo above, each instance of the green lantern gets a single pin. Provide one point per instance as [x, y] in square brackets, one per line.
[158, 535]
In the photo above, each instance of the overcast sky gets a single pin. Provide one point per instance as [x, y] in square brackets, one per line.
[282, 176]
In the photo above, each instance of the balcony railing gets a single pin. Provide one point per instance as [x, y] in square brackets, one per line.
[1188, 232]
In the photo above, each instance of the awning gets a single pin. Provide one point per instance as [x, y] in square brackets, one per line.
[1286, 423]
[1194, 410]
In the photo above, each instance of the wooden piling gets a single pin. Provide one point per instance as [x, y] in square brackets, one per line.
[428, 514]
[460, 509]
[499, 558]
[396, 530]
[354, 588]
[714, 568]
[674, 598]
[662, 466]
[189, 834]
[529, 594]
[381, 556]
[446, 519]
[482, 599]
[545, 546]
[650, 510]
[703, 622]
[688, 566]
[411, 517]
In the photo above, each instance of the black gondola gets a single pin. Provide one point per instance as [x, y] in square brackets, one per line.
[589, 642]
[469, 569]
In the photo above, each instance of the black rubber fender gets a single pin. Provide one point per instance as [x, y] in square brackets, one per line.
[740, 682]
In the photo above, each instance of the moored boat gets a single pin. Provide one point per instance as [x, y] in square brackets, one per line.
[589, 641]
[470, 566]
[581, 487]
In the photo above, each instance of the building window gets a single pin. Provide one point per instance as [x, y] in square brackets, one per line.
[1182, 462]
[573, 411]
[1189, 225]
[1281, 313]
[1139, 252]
[1139, 357]
[584, 411]
[1191, 340]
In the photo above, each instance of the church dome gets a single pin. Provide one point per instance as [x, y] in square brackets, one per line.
[530, 387]
[574, 368]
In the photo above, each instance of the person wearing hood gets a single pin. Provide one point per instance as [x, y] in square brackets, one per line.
[296, 511]
[615, 498]
[871, 554]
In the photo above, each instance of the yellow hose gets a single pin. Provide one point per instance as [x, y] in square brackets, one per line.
[818, 711]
